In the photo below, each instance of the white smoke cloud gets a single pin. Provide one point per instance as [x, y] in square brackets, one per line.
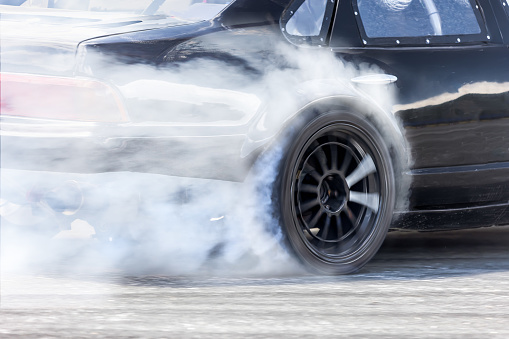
[149, 223]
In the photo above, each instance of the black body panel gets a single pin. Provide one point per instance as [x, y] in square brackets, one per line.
[454, 105]
[452, 100]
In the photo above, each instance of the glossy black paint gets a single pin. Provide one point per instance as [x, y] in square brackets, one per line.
[452, 100]
[453, 103]
[149, 46]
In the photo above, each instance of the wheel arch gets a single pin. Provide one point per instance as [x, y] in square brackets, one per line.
[385, 122]
[287, 107]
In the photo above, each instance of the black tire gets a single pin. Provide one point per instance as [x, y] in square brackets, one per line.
[335, 192]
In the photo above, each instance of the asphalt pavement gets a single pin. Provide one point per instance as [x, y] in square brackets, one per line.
[442, 285]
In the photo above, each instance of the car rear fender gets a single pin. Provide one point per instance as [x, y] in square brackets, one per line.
[316, 97]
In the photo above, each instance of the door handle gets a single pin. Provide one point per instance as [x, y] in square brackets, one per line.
[375, 79]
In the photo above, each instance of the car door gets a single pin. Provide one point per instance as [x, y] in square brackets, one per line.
[452, 90]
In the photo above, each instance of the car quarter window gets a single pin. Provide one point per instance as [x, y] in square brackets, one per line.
[417, 18]
[307, 20]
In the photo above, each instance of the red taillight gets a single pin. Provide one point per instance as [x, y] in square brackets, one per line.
[48, 97]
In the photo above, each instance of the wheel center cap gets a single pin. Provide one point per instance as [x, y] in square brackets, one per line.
[333, 193]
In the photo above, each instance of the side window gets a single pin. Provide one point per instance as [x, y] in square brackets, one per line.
[417, 18]
[307, 19]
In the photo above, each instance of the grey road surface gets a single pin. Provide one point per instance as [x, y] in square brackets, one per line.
[441, 285]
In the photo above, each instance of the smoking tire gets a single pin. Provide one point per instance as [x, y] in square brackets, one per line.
[335, 192]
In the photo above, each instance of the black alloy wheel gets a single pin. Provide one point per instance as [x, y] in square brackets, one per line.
[336, 193]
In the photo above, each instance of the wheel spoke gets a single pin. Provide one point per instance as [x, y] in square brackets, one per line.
[334, 156]
[350, 215]
[365, 168]
[347, 159]
[310, 170]
[326, 227]
[322, 159]
[312, 223]
[339, 226]
[308, 205]
[306, 188]
[370, 200]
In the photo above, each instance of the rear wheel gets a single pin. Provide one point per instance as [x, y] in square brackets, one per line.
[336, 192]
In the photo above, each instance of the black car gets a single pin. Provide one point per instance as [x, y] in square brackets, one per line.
[382, 113]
